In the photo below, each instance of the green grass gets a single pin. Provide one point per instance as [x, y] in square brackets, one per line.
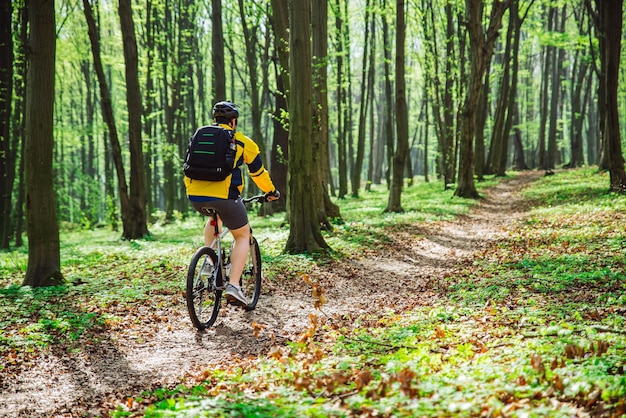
[532, 327]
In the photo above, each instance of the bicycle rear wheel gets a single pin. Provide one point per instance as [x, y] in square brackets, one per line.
[204, 284]
[251, 276]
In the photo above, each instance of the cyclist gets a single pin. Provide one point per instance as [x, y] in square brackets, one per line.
[225, 198]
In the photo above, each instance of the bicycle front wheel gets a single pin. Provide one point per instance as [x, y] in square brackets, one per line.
[251, 276]
[204, 288]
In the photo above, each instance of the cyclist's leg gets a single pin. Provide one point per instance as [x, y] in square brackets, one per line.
[209, 230]
[239, 253]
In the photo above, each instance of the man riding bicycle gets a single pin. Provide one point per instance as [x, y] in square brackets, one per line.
[225, 197]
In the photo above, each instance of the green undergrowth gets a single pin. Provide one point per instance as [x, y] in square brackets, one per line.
[533, 326]
[110, 282]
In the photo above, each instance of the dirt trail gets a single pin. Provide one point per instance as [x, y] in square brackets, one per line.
[96, 379]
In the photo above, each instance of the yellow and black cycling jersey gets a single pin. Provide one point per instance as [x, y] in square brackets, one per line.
[230, 188]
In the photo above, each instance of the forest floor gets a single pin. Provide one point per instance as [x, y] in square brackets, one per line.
[165, 351]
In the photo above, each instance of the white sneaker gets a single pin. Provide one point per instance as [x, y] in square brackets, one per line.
[235, 296]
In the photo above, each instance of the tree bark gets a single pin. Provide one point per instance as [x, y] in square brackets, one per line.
[107, 114]
[360, 149]
[136, 225]
[19, 122]
[304, 189]
[280, 143]
[556, 77]
[7, 144]
[217, 52]
[387, 136]
[402, 123]
[44, 259]
[481, 50]
[610, 23]
[320, 111]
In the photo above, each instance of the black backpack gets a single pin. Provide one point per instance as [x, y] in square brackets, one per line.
[210, 154]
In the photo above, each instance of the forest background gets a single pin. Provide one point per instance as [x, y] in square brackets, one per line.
[339, 96]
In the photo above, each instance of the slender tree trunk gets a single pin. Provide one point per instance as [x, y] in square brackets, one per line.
[518, 145]
[481, 119]
[511, 101]
[387, 132]
[19, 122]
[609, 25]
[149, 125]
[136, 225]
[481, 50]
[371, 94]
[343, 110]
[544, 97]
[44, 259]
[360, 151]
[557, 74]
[250, 39]
[7, 144]
[280, 143]
[578, 114]
[304, 190]
[499, 144]
[402, 121]
[449, 151]
[320, 111]
[217, 52]
[107, 114]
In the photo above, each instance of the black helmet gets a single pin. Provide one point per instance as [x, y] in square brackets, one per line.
[226, 110]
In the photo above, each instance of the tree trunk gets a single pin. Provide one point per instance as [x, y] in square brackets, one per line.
[557, 74]
[387, 136]
[7, 143]
[360, 150]
[107, 113]
[19, 122]
[136, 225]
[578, 113]
[481, 50]
[511, 101]
[217, 52]
[304, 190]
[499, 143]
[609, 25]
[519, 157]
[44, 259]
[320, 111]
[544, 97]
[448, 151]
[342, 100]
[250, 40]
[481, 119]
[280, 144]
[373, 143]
[402, 121]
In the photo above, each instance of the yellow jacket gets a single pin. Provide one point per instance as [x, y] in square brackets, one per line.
[231, 188]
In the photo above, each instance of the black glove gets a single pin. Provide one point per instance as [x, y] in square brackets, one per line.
[275, 195]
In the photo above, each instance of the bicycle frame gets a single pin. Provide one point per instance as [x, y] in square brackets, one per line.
[216, 245]
[202, 291]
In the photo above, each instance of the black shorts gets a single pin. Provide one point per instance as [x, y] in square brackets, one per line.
[232, 211]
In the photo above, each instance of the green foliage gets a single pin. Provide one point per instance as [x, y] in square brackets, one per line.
[534, 326]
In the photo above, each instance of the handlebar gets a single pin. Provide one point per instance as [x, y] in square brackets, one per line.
[259, 198]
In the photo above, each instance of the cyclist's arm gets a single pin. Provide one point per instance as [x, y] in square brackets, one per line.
[258, 173]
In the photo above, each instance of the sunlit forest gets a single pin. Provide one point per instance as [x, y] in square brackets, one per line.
[449, 91]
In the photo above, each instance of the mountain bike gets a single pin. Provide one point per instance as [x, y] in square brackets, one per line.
[209, 270]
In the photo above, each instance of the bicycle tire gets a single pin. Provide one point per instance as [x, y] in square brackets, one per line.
[204, 292]
[251, 276]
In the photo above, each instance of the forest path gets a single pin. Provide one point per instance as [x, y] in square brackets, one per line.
[167, 351]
